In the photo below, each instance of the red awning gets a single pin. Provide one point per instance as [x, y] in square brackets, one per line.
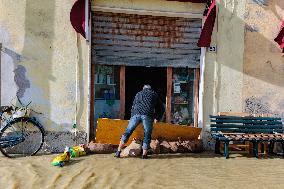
[77, 17]
[207, 29]
[280, 37]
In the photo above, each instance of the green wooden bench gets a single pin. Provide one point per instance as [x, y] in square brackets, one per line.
[253, 129]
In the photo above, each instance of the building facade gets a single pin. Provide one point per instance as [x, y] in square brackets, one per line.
[72, 80]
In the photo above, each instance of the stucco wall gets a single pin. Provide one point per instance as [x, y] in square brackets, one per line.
[263, 64]
[224, 69]
[43, 61]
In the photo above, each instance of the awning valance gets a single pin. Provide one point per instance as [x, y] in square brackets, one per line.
[280, 37]
[77, 17]
[207, 29]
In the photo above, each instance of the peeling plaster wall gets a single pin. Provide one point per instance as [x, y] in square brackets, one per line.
[263, 62]
[44, 61]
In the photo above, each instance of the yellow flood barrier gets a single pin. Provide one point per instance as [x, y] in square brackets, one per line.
[110, 131]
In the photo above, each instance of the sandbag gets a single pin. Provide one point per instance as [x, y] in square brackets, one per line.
[173, 147]
[99, 148]
[133, 150]
[154, 147]
[165, 147]
[192, 145]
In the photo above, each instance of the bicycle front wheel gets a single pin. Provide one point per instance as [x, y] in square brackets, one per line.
[21, 137]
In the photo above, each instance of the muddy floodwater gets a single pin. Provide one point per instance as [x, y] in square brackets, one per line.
[204, 170]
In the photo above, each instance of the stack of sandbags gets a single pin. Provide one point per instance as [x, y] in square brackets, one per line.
[156, 147]
[181, 146]
[163, 147]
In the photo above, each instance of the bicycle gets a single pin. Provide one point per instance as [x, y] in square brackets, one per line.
[20, 134]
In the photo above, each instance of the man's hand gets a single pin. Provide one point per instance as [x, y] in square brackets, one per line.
[155, 120]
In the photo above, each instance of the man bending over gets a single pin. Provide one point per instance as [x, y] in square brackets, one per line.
[146, 108]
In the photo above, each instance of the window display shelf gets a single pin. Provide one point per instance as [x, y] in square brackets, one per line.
[182, 96]
[106, 82]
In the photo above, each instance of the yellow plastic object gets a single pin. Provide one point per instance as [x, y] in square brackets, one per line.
[77, 151]
[110, 131]
[61, 159]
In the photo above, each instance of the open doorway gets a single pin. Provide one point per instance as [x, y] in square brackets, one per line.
[136, 77]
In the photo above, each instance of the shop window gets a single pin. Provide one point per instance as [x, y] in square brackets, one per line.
[182, 101]
[107, 91]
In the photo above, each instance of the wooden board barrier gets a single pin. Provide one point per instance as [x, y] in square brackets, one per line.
[110, 131]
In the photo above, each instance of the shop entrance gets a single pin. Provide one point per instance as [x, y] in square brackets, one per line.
[136, 77]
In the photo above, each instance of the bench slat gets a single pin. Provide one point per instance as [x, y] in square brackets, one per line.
[248, 122]
[250, 137]
[247, 130]
[245, 118]
[246, 126]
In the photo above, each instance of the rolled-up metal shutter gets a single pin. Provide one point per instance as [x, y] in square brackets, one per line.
[142, 40]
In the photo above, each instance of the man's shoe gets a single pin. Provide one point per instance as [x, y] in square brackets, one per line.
[144, 157]
[117, 154]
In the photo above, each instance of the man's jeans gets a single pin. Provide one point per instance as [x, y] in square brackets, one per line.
[148, 126]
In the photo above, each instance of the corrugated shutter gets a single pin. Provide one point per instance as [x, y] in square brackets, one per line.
[140, 40]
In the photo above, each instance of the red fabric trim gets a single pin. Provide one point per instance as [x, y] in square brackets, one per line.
[205, 36]
[280, 37]
[77, 17]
